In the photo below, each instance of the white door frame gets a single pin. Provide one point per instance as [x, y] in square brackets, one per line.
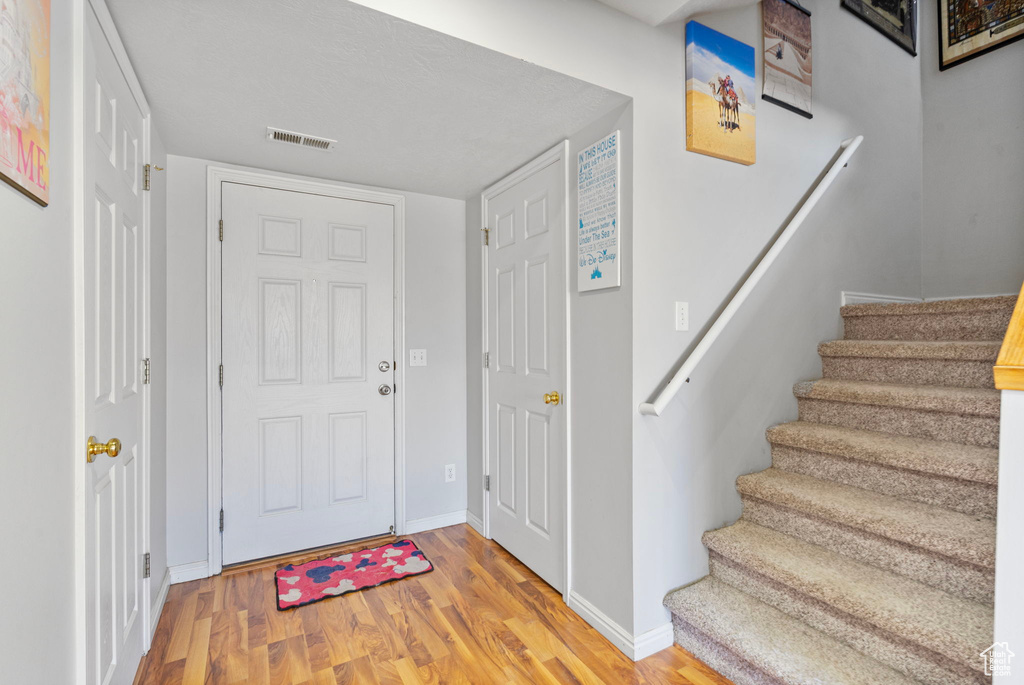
[80, 10]
[215, 176]
[559, 154]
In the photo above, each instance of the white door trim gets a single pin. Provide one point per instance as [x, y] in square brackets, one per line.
[558, 154]
[215, 176]
[79, 46]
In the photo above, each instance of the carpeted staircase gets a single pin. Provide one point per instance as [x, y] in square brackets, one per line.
[865, 555]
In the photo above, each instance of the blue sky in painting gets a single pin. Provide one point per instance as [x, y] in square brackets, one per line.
[710, 53]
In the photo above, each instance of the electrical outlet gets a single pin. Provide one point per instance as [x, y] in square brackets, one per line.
[449, 473]
[417, 357]
[682, 316]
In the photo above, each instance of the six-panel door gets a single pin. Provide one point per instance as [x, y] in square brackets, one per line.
[526, 334]
[308, 315]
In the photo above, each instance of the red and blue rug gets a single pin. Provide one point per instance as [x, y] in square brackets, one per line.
[334, 576]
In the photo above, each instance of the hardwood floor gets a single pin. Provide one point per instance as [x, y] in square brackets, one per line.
[480, 617]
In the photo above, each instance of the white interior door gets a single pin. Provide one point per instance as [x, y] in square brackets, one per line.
[114, 336]
[308, 354]
[526, 335]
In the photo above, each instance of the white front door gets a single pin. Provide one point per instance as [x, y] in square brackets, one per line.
[308, 355]
[114, 337]
[526, 334]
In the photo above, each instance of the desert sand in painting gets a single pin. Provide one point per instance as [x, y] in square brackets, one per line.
[703, 134]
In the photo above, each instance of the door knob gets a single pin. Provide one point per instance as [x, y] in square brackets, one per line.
[552, 397]
[111, 448]
[384, 389]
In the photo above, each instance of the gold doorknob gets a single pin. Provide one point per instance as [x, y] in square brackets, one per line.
[552, 397]
[111, 448]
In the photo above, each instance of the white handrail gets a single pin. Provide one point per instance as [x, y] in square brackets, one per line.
[683, 375]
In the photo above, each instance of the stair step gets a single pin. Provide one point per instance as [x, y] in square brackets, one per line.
[964, 415]
[984, 318]
[747, 640]
[936, 546]
[966, 364]
[923, 632]
[946, 474]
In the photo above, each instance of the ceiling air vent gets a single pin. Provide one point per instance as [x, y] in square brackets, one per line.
[292, 138]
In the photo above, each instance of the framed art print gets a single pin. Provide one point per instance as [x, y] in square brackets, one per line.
[720, 95]
[787, 56]
[25, 97]
[968, 28]
[895, 19]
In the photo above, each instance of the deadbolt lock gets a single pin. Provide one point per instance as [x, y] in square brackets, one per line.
[384, 366]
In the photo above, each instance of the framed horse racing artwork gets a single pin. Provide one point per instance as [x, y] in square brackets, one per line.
[787, 56]
[25, 96]
[720, 87]
[968, 28]
[894, 19]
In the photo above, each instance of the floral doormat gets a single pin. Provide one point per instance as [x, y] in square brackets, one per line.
[325, 578]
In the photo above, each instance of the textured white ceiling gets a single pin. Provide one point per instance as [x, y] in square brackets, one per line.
[658, 12]
[411, 108]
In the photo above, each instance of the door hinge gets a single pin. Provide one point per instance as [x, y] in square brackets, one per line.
[146, 372]
[487, 235]
[146, 173]
[222, 375]
[222, 520]
[221, 230]
[487, 483]
[145, 565]
[487, 360]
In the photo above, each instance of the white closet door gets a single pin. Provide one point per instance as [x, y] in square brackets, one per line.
[114, 287]
[526, 334]
[308, 349]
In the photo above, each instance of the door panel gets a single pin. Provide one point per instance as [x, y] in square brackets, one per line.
[526, 330]
[114, 290]
[308, 314]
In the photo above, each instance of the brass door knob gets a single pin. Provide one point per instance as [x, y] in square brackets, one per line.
[111, 448]
[552, 397]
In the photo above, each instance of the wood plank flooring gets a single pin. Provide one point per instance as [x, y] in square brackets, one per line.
[480, 617]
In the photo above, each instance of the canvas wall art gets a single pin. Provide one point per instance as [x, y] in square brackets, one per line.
[787, 56]
[720, 95]
[968, 28]
[896, 19]
[25, 96]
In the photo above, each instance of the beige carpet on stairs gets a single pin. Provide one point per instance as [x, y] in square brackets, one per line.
[866, 553]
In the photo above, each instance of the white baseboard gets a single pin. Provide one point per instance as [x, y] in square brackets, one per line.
[431, 522]
[475, 522]
[969, 297]
[870, 298]
[158, 603]
[653, 641]
[186, 572]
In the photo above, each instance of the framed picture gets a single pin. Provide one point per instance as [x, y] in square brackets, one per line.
[720, 87]
[896, 19]
[787, 56]
[968, 28]
[25, 96]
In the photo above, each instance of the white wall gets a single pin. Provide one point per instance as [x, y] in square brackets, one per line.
[435, 319]
[700, 222]
[973, 170]
[1009, 551]
[37, 399]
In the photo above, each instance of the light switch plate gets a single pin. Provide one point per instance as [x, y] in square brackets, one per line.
[682, 316]
[417, 357]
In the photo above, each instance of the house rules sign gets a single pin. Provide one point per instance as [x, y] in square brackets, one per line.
[598, 205]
